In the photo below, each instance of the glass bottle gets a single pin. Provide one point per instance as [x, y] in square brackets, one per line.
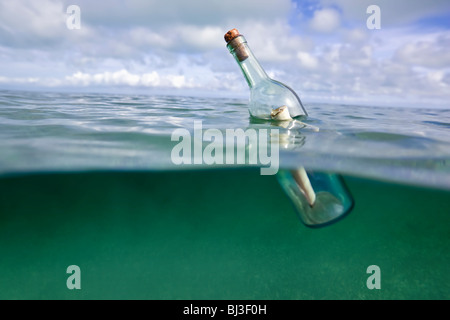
[266, 95]
[319, 198]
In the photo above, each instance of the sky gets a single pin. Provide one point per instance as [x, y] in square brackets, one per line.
[323, 49]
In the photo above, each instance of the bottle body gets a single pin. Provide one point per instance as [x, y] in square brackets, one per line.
[266, 94]
[332, 202]
[270, 95]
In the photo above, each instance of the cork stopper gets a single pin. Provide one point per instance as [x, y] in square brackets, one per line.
[236, 43]
[231, 34]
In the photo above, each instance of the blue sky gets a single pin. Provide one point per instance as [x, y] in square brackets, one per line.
[321, 48]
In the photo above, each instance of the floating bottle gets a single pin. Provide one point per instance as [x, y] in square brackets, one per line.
[319, 198]
[269, 98]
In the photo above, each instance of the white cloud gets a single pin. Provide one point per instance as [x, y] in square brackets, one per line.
[393, 13]
[307, 60]
[151, 79]
[357, 56]
[19, 80]
[124, 77]
[431, 53]
[201, 78]
[274, 42]
[160, 13]
[31, 21]
[201, 37]
[356, 35]
[325, 20]
[182, 38]
[141, 36]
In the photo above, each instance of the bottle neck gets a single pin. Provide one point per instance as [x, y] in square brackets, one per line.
[252, 70]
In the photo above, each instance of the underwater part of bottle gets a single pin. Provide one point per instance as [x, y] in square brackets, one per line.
[332, 200]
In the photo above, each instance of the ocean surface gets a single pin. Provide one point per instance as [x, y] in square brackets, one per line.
[59, 132]
[88, 180]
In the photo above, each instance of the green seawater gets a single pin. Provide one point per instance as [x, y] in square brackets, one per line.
[89, 180]
[215, 234]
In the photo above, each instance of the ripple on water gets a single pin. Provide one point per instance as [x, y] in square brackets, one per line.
[31, 123]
